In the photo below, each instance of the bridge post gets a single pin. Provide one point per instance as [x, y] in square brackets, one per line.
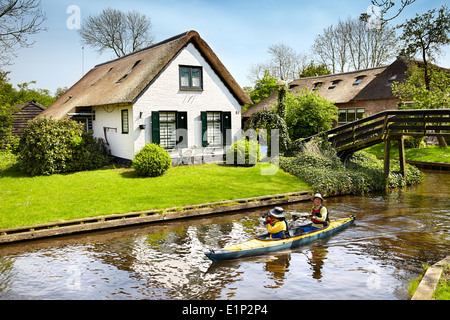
[387, 154]
[401, 156]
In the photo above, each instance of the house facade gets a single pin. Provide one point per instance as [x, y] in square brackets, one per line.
[175, 93]
[356, 94]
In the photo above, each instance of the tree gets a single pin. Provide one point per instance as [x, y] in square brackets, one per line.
[350, 45]
[115, 30]
[425, 35]
[18, 20]
[285, 64]
[264, 87]
[308, 113]
[413, 89]
[313, 70]
[269, 120]
[387, 5]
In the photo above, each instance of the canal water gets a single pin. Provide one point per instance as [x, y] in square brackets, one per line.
[393, 236]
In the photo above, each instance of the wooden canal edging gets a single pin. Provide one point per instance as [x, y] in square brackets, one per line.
[62, 228]
[430, 165]
[430, 280]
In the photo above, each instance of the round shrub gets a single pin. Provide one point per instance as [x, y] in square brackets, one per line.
[243, 153]
[151, 161]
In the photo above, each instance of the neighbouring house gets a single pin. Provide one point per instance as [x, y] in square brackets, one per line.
[356, 94]
[25, 112]
[176, 93]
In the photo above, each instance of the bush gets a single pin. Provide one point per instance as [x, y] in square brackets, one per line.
[362, 173]
[244, 153]
[49, 146]
[151, 161]
[89, 153]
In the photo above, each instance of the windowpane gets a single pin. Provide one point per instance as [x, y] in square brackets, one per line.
[350, 115]
[360, 113]
[167, 129]
[125, 128]
[214, 133]
[184, 77]
[342, 116]
[196, 78]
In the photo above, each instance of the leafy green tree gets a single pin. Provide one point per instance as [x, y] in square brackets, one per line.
[414, 89]
[264, 87]
[308, 113]
[313, 70]
[6, 100]
[269, 120]
[25, 94]
[425, 35]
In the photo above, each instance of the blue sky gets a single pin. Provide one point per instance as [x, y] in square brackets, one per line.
[239, 32]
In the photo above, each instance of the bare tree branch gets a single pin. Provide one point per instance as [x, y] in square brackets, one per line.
[18, 20]
[352, 46]
[285, 64]
[387, 5]
[112, 29]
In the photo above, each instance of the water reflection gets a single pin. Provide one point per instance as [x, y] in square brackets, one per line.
[394, 234]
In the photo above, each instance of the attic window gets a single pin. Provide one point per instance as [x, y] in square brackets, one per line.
[98, 80]
[126, 75]
[358, 80]
[317, 86]
[392, 78]
[334, 84]
[191, 78]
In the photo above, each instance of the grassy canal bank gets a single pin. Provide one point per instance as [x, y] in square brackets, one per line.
[26, 200]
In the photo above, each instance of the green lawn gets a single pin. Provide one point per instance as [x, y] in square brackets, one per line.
[430, 154]
[28, 200]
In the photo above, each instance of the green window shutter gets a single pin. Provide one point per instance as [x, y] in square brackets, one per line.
[204, 117]
[155, 127]
[182, 136]
[226, 125]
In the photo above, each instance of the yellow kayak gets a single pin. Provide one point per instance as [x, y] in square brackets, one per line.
[264, 244]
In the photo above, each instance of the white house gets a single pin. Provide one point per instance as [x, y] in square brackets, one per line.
[175, 93]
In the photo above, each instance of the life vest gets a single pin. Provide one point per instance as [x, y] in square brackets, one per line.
[282, 234]
[316, 213]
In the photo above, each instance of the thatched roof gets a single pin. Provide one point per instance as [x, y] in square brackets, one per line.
[113, 83]
[345, 87]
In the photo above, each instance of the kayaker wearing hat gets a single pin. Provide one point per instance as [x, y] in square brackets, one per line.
[277, 224]
[319, 213]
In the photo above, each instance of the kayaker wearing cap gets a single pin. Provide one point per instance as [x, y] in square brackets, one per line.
[319, 213]
[277, 224]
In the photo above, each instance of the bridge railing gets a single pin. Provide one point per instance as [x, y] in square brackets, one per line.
[391, 124]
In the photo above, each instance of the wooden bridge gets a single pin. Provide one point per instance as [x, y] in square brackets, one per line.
[385, 127]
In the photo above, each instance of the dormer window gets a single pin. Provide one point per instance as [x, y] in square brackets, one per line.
[334, 84]
[317, 86]
[358, 80]
[392, 78]
[126, 74]
[191, 78]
